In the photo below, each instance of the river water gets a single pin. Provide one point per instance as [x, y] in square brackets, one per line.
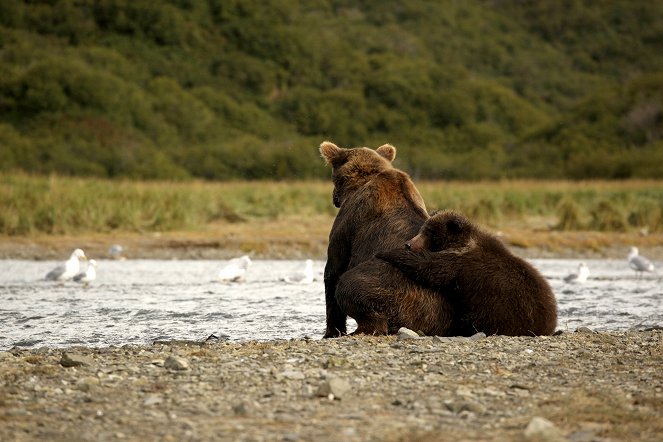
[140, 301]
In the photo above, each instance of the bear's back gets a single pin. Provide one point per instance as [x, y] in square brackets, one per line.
[383, 214]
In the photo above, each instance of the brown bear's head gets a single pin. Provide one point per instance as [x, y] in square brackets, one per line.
[443, 231]
[352, 168]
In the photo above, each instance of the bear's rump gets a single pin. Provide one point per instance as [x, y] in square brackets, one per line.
[375, 288]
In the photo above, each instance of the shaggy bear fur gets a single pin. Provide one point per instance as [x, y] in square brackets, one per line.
[380, 208]
[492, 290]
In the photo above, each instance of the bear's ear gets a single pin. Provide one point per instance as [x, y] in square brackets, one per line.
[333, 154]
[387, 151]
[456, 225]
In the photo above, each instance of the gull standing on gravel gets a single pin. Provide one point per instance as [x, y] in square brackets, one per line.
[639, 263]
[580, 276]
[68, 269]
[301, 276]
[235, 270]
[89, 275]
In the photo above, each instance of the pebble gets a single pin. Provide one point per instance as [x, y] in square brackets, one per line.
[406, 333]
[541, 429]
[152, 399]
[175, 363]
[334, 388]
[584, 330]
[75, 360]
[291, 374]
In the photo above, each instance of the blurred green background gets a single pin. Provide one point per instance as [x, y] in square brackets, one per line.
[242, 89]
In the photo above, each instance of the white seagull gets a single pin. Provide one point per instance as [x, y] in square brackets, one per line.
[300, 276]
[580, 276]
[639, 263]
[115, 252]
[235, 270]
[68, 269]
[89, 275]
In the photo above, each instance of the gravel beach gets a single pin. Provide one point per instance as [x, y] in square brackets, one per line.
[578, 386]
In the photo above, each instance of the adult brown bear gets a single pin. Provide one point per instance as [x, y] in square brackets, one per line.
[380, 208]
[491, 289]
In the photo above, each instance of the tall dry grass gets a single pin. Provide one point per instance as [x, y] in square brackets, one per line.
[62, 205]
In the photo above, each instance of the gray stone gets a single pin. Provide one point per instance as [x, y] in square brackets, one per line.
[458, 406]
[240, 409]
[292, 375]
[584, 330]
[477, 336]
[175, 363]
[152, 399]
[75, 360]
[334, 388]
[86, 383]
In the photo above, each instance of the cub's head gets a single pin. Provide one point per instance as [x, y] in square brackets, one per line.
[446, 230]
[352, 168]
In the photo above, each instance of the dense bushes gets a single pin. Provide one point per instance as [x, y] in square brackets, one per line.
[248, 89]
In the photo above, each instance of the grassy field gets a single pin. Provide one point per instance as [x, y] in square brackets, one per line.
[57, 205]
[46, 217]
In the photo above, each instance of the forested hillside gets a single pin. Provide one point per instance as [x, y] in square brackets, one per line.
[247, 89]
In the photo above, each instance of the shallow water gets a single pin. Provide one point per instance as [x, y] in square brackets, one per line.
[140, 301]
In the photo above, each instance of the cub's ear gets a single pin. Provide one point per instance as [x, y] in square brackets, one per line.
[456, 225]
[387, 151]
[333, 154]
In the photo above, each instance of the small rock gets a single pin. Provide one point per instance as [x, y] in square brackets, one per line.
[583, 436]
[542, 430]
[240, 409]
[291, 374]
[307, 390]
[157, 362]
[75, 360]
[459, 406]
[584, 330]
[406, 333]
[152, 399]
[477, 336]
[175, 363]
[447, 339]
[334, 388]
[85, 384]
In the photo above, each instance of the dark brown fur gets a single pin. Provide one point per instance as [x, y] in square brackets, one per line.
[380, 208]
[492, 290]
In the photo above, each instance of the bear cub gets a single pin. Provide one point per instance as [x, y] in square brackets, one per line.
[492, 290]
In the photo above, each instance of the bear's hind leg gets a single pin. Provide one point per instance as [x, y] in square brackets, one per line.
[363, 296]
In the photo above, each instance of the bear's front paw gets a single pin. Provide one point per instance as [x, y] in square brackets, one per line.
[389, 255]
[402, 258]
[335, 333]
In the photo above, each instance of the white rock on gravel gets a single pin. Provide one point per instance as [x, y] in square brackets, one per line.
[334, 388]
[406, 333]
[540, 429]
[175, 363]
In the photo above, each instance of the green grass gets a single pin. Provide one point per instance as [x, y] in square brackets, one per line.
[62, 205]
